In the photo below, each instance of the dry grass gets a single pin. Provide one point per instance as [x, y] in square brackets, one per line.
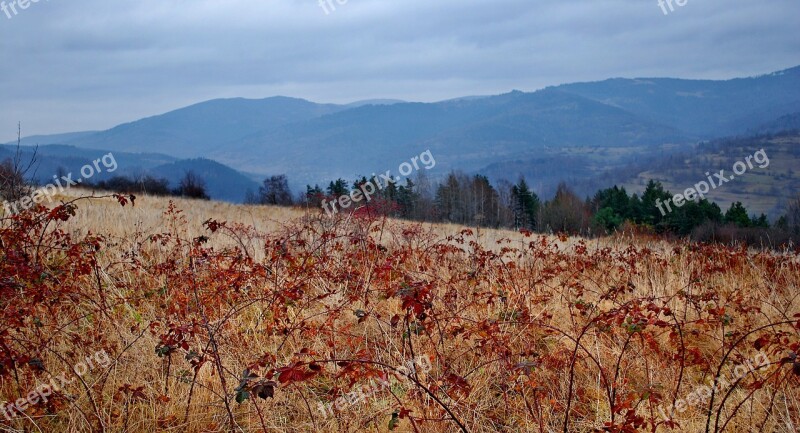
[496, 313]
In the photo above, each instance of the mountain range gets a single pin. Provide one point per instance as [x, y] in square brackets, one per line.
[567, 132]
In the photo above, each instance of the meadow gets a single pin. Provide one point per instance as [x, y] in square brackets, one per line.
[178, 315]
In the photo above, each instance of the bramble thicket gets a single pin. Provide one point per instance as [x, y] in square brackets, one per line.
[217, 325]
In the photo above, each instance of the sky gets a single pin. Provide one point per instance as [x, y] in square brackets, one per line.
[74, 65]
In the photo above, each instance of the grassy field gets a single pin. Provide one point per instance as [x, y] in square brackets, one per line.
[192, 316]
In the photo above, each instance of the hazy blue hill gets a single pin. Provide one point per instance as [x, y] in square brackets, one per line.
[594, 126]
[222, 182]
[530, 123]
[144, 160]
[702, 107]
[50, 159]
[201, 128]
[374, 102]
[464, 133]
[355, 141]
[35, 140]
[614, 112]
[789, 122]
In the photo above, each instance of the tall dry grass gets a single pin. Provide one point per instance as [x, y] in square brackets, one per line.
[522, 333]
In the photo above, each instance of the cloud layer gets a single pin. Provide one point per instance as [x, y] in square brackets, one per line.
[73, 65]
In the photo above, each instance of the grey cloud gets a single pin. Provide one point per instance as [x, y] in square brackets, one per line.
[90, 64]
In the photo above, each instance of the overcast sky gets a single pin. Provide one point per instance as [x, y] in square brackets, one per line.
[71, 65]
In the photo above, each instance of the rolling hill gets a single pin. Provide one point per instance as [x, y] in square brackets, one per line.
[223, 183]
[196, 130]
[701, 107]
[578, 132]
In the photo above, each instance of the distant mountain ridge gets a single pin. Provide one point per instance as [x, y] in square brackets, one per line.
[464, 133]
[34, 140]
[789, 122]
[374, 102]
[196, 130]
[701, 107]
[597, 126]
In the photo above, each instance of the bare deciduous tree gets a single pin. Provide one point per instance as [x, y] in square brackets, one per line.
[275, 191]
[13, 172]
[192, 186]
[793, 215]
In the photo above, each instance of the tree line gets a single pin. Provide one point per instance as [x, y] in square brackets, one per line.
[190, 185]
[14, 185]
[473, 200]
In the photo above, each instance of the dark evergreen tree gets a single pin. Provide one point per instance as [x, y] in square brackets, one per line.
[612, 207]
[338, 188]
[737, 214]
[683, 220]
[761, 221]
[314, 196]
[525, 206]
[608, 218]
[654, 207]
[407, 199]
[615, 198]
[635, 212]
